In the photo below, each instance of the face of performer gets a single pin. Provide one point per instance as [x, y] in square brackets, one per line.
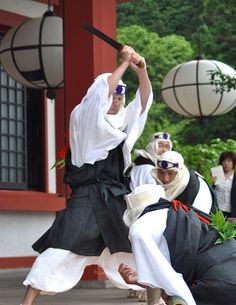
[116, 103]
[162, 146]
[227, 165]
[166, 176]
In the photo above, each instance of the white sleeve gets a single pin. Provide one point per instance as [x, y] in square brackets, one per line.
[152, 256]
[136, 123]
[91, 136]
[203, 200]
[140, 174]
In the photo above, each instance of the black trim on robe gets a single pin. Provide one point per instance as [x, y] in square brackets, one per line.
[142, 160]
[192, 189]
[93, 218]
[138, 161]
[233, 197]
[208, 269]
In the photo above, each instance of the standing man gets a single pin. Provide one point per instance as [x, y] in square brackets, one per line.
[91, 229]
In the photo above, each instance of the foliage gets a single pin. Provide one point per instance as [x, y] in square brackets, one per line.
[205, 130]
[210, 25]
[206, 26]
[202, 157]
[154, 49]
[164, 17]
[222, 82]
[159, 118]
[225, 229]
[219, 40]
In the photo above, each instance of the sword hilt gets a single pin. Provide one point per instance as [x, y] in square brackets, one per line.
[140, 64]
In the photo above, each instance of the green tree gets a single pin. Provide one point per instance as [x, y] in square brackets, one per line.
[164, 17]
[159, 118]
[161, 54]
[202, 157]
[219, 38]
[205, 26]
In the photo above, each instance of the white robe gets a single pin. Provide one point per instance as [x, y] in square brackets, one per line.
[141, 174]
[92, 137]
[152, 257]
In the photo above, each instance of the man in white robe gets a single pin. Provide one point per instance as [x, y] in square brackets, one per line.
[179, 249]
[147, 158]
[150, 249]
[91, 229]
[183, 184]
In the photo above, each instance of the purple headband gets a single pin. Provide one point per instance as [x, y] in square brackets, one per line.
[167, 164]
[164, 136]
[120, 90]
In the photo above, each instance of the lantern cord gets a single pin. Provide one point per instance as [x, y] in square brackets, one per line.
[50, 6]
[50, 11]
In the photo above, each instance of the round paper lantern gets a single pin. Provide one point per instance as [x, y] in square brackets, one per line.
[32, 52]
[187, 89]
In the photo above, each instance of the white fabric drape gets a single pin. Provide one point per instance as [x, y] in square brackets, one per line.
[152, 256]
[140, 175]
[91, 135]
[58, 270]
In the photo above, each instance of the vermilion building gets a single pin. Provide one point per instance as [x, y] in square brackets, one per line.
[32, 127]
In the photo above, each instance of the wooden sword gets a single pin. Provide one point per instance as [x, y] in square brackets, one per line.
[115, 44]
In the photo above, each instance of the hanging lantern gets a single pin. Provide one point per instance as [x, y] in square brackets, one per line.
[32, 52]
[187, 89]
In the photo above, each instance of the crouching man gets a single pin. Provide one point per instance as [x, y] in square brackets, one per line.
[178, 250]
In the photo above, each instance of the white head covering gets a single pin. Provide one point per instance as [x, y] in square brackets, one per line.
[151, 151]
[119, 120]
[139, 199]
[172, 160]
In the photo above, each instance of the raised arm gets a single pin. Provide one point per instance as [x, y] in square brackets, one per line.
[144, 82]
[131, 59]
[126, 56]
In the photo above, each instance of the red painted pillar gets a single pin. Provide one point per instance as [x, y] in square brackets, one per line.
[85, 57]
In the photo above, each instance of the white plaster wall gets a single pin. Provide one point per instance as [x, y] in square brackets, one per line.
[27, 8]
[19, 230]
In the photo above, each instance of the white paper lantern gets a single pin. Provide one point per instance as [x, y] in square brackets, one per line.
[186, 89]
[32, 52]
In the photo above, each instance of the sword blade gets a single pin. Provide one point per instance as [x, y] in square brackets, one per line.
[115, 44]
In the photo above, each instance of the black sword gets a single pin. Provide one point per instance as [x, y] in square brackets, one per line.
[112, 42]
